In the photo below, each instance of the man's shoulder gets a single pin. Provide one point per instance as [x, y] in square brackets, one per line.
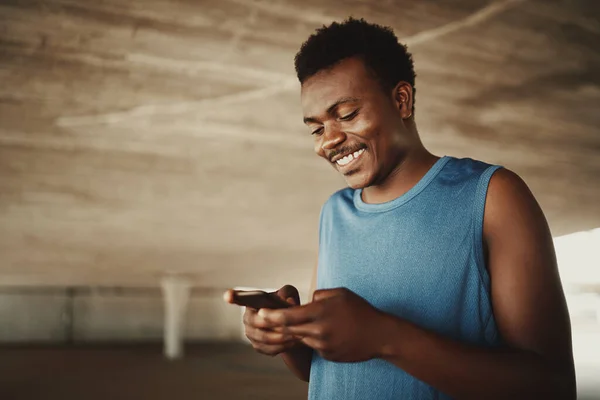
[338, 198]
[468, 164]
[507, 189]
[344, 194]
[460, 172]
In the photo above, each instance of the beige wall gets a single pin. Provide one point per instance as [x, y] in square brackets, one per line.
[109, 315]
[35, 317]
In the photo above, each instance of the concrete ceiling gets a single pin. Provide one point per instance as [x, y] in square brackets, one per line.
[138, 138]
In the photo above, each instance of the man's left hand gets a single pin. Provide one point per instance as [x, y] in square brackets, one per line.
[338, 324]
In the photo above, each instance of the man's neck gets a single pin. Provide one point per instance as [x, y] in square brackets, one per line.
[403, 178]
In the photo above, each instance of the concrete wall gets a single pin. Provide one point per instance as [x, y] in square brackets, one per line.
[65, 315]
[38, 316]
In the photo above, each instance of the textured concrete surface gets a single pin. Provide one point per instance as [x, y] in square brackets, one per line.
[143, 137]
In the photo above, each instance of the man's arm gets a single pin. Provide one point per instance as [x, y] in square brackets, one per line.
[529, 308]
[299, 358]
[528, 302]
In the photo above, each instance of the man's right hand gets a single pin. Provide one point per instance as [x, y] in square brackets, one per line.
[267, 341]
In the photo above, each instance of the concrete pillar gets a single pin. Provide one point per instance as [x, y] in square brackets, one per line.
[176, 294]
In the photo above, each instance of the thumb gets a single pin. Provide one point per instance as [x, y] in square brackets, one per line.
[290, 300]
[287, 293]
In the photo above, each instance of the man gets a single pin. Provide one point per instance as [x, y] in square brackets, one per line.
[436, 277]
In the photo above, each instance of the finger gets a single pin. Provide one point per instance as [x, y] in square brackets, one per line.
[287, 292]
[228, 296]
[268, 337]
[283, 329]
[313, 343]
[249, 315]
[273, 350]
[323, 294]
[291, 316]
[311, 330]
[253, 319]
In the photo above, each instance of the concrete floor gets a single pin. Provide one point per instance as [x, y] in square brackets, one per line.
[209, 371]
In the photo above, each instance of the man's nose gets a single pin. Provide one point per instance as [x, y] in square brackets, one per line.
[332, 137]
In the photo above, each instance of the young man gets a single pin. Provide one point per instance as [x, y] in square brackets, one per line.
[436, 277]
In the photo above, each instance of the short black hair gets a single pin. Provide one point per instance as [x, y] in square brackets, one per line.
[376, 45]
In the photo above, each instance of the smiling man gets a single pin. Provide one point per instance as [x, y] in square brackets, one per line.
[436, 276]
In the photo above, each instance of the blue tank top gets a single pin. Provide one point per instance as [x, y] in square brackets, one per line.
[419, 257]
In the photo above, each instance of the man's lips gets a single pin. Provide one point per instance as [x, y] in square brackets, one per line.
[345, 153]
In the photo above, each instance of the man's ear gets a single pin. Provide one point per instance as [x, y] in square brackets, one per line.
[403, 98]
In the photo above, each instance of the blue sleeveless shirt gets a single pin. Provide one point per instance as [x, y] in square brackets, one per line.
[419, 257]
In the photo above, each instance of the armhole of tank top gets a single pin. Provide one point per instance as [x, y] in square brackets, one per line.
[478, 214]
[321, 225]
[319, 242]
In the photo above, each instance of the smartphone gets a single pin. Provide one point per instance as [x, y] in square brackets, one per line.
[258, 299]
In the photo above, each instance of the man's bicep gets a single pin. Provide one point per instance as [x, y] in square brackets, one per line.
[527, 295]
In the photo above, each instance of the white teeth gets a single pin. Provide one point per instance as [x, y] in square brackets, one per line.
[350, 157]
[345, 160]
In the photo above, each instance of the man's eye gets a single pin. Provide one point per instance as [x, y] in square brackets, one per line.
[317, 131]
[348, 117]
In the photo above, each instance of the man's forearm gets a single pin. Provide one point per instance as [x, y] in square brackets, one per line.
[298, 361]
[469, 372]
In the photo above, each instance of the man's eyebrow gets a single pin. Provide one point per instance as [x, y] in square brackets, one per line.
[332, 108]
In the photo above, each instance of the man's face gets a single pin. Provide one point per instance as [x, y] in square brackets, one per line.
[357, 127]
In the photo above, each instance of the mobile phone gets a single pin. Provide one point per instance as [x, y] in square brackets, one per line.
[258, 299]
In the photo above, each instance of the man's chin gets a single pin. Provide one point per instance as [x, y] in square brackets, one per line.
[356, 181]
